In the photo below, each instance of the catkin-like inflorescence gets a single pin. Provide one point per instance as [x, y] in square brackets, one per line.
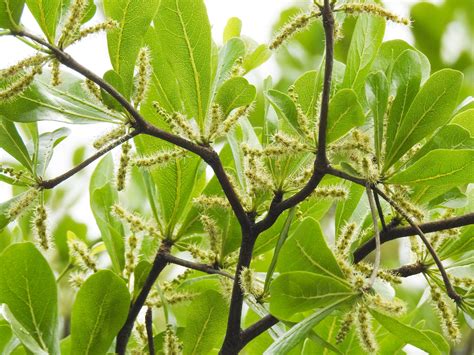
[297, 24]
[382, 274]
[55, 72]
[103, 26]
[214, 233]
[81, 255]
[345, 239]
[18, 86]
[445, 314]
[181, 122]
[23, 64]
[402, 198]
[73, 23]
[345, 328]
[257, 175]
[160, 158]
[205, 202]
[143, 76]
[22, 204]
[216, 119]
[76, 279]
[131, 255]
[171, 298]
[392, 308]
[331, 192]
[376, 10]
[234, 117]
[136, 223]
[171, 343]
[237, 69]
[13, 173]
[248, 283]
[302, 118]
[92, 89]
[123, 166]
[364, 329]
[39, 222]
[110, 137]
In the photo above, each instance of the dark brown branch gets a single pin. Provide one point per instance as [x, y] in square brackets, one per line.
[159, 264]
[328, 24]
[380, 211]
[447, 283]
[400, 232]
[409, 270]
[256, 329]
[149, 330]
[49, 184]
[196, 266]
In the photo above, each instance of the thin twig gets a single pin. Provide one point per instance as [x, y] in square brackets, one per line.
[196, 266]
[447, 283]
[380, 211]
[373, 211]
[256, 329]
[149, 330]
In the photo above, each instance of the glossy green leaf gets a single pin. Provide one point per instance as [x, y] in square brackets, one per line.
[406, 79]
[301, 330]
[99, 312]
[28, 288]
[285, 109]
[451, 136]
[345, 209]
[6, 335]
[466, 120]
[377, 92]
[366, 40]
[389, 52]
[67, 103]
[46, 144]
[10, 13]
[205, 327]
[102, 196]
[47, 14]
[299, 291]
[431, 108]
[134, 18]
[308, 242]
[259, 56]
[345, 113]
[235, 92]
[232, 29]
[12, 143]
[439, 167]
[308, 87]
[411, 335]
[185, 34]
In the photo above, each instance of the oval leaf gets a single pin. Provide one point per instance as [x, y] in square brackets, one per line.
[28, 287]
[235, 92]
[10, 13]
[100, 310]
[345, 113]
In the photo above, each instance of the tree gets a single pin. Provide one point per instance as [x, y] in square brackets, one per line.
[379, 138]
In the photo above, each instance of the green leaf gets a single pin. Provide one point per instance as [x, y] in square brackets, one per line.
[389, 52]
[300, 291]
[345, 209]
[466, 120]
[99, 312]
[406, 79]
[46, 13]
[431, 109]
[185, 35]
[12, 143]
[365, 43]
[259, 56]
[205, 326]
[451, 136]
[10, 13]
[134, 18]
[308, 242]
[308, 87]
[301, 330]
[439, 167]
[345, 113]
[419, 338]
[230, 52]
[232, 29]
[102, 196]
[28, 287]
[46, 144]
[5, 336]
[235, 92]
[285, 109]
[67, 103]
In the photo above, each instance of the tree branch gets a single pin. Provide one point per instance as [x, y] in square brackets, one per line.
[195, 266]
[149, 330]
[370, 196]
[400, 232]
[410, 270]
[49, 184]
[256, 329]
[159, 264]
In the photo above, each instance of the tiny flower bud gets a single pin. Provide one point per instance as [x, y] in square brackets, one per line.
[171, 343]
[39, 222]
[76, 279]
